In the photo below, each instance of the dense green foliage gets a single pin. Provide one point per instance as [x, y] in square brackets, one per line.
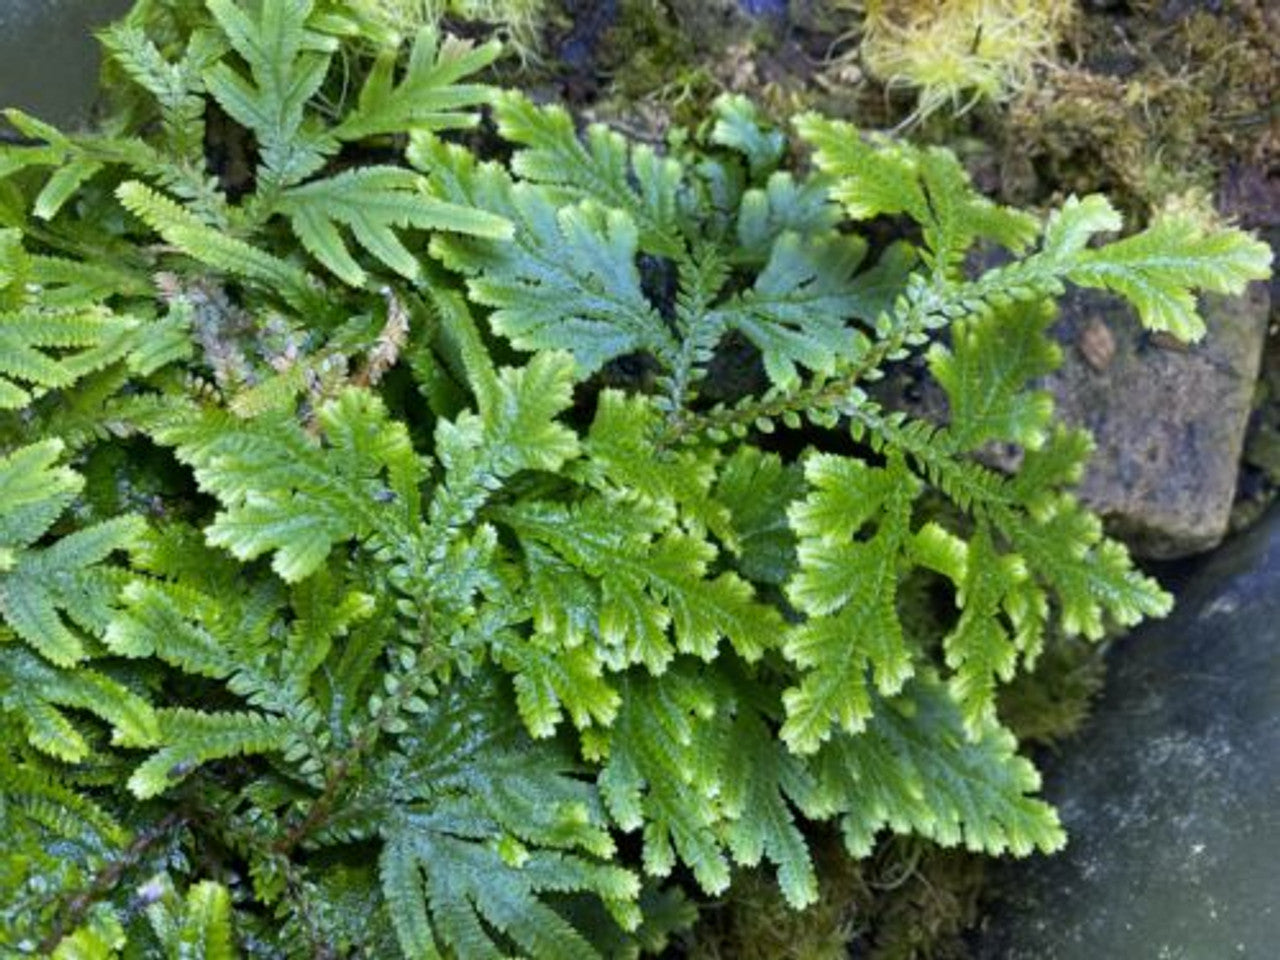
[378, 573]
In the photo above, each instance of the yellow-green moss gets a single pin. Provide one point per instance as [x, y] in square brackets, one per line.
[960, 51]
[1158, 109]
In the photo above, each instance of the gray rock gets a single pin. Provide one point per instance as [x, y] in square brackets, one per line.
[48, 56]
[1169, 797]
[1169, 420]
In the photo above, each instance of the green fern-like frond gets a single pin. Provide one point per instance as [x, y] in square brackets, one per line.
[849, 590]
[914, 769]
[619, 463]
[569, 281]
[197, 924]
[49, 595]
[177, 85]
[191, 738]
[985, 374]
[707, 733]
[102, 937]
[602, 168]
[1002, 617]
[1092, 578]
[428, 98]
[208, 622]
[761, 803]
[284, 492]
[74, 160]
[208, 245]
[648, 584]
[878, 176]
[34, 493]
[42, 350]
[38, 694]
[286, 64]
[483, 830]
[758, 489]
[1157, 269]
[738, 127]
[516, 428]
[655, 764]
[56, 599]
[798, 311]
[370, 202]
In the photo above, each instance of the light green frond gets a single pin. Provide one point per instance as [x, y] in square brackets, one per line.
[33, 494]
[101, 937]
[660, 774]
[848, 589]
[765, 787]
[428, 98]
[1093, 578]
[179, 227]
[51, 596]
[738, 127]
[551, 680]
[190, 738]
[37, 693]
[759, 489]
[1069, 228]
[285, 493]
[783, 205]
[521, 429]
[600, 167]
[42, 350]
[799, 308]
[65, 283]
[986, 373]
[287, 63]
[1001, 617]
[177, 85]
[373, 203]
[914, 770]
[620, 461]
[878, 176]
[197, 925]
[568, 282]
[874, 177]
[648, 584]
[1158, 269]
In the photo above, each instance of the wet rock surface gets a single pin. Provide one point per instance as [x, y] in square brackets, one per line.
[1169, 797]
[49, 57]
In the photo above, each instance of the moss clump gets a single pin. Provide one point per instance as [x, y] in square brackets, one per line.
[1152, 106]
[667, 60]
[755, 923]
[653, 61]
[911, 900]
[961, 51]
[1050, 704]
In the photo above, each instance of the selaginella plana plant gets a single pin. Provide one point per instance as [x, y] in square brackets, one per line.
[360, 599]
